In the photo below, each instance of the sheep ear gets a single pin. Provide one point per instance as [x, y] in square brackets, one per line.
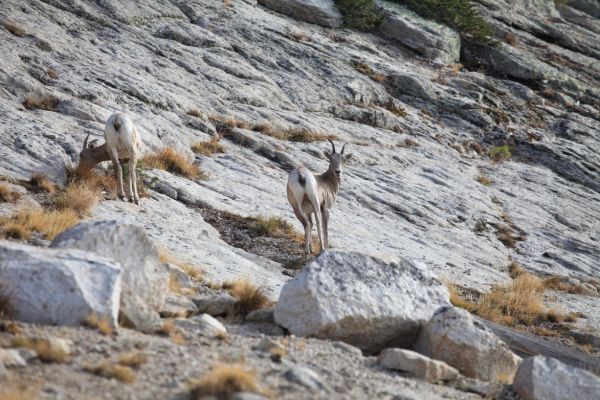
[348, 157]
[92, 144]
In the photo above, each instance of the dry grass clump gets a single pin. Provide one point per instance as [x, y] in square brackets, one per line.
[44, 349]
[223, 381]
[13, 28]
[307, 136]
[366, 69]
[100, 182]
[511, 39]
[171, 160]
[46, 102]
[78, 197]
[132, 359]
[515, 270]
[484, 180]
[47, 222]
[228, 123]
[194, 112]
[102, 323]
[209, 147]
[396, 110]
[248, 297]
[499, 153]
[168, 328]
[7, 194]
[408, 142]
[19, 390]
[39, 182]
[273, 226]
[52, 73]
[561, 283]
[191, 270]
[505, 234]
[6, 307]
[109, 370]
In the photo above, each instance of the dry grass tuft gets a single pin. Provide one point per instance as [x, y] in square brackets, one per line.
[209, 147]
[52, 73]
[562, 284]
[307, 135]
[224, 124]
[511, 39]
[6, 307]
[78, 197]
[484, 180]
[168, 328]
[408, 142]
[43, 347]
[195, 112]
[7, 194]
[133, 359]
[100, 182]
[39, 182]
[109, 370]
[455, 69]
[46, 102]
[47, 222]
[515, 270]
[13, 28]
[248, 297]
[171, 160]
[277, 353]
[505, 234]
[223, 381]
[273, 226]
[103, 323]
[366, 69]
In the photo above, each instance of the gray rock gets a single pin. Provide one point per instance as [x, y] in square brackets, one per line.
[260, 315]
[183, 280]
[434, 41]
[320, 12]
[58, 286]
[359, 299]
[202, 324]
[11, 358]
[305, 377]
[144, 279]
[454, 336]
[417, 365]
[215, 305]
[248, 396]
[177, 305]
[583, 337]
[543, 378]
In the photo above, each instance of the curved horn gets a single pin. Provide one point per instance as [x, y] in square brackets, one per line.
[343, 147]
[92, 144]
[332, 145]
[85, 142]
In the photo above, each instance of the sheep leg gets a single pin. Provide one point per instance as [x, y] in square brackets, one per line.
[114, 156]
[306, 223]
[325, 216]
[318, 221]
[133, 193]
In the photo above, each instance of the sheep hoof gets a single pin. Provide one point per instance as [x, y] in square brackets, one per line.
[122, 198]
[136, 201]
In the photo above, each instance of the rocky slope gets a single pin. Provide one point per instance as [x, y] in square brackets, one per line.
[414, 187]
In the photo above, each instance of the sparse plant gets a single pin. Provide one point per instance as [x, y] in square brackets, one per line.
[108, 369]
[39, 182]
[360, 14]
[455, 69]
[209, 147]
[562, 284]
[248, 297]
[408, 142]
[511, 39]
[52, 73]
[223, 381]
[78, 197]
[7, 194]
[6, 306]
[515, 270]
[273, 226]
[191, 270]
[506, 235]
[498, 153]
[13, 28]
[396, 110]
[306, 135]
[365, 69]
[480, 225]
[195, 112]
[40, 101]
[168, 328]
[132, 359]
[484, 180]
[43, 347]
[102, 323]
[47, 222]
[171, 160]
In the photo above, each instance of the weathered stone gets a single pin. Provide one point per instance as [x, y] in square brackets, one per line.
[261, 315]
[434, 41]
[58, 286]
[543, 378]
[359, 299]
[215, 305]
[320, 12]
[177, 305]
[11, 358]
[417, 365]
[144, 279]
[202, 324]
[305, 377]
[454, 336]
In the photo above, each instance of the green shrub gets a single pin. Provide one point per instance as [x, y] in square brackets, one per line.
[498, 153]
[461, 15]
[360, 14]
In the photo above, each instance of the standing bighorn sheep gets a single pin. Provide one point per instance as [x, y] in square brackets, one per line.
[122, 141]
[316, 195]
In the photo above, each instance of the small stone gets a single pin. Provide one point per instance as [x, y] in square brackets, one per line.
[261, 315]
[176, 306]
[11, 358]
[248, 396]
[215, 305]
[417, 365]
[203, 324]
[305, 377]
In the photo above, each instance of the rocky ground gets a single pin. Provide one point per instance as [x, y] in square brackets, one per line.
[420, 119]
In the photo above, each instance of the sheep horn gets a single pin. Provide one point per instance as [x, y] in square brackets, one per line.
[332, 145]
[85, 142]
[343, 147]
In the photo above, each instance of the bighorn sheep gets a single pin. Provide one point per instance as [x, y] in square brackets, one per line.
[316, 195]
[121, 142]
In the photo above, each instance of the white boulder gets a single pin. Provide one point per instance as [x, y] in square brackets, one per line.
[58, 286]
[361, 300]
[454, 336]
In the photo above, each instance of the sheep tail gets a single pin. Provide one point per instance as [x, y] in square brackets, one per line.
[118, 122]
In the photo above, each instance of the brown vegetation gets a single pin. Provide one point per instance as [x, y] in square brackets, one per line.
[168, 328]
[43, 347]
[46, 102]
[132, 359]
[484, 180]
[108, 369]
[52, 73]
[191, 270]
[506, 235]
[47, 222]
[39, 183]
[366, 69]
[103, 323]
[223, 381]
[13, 28]
[98, 181]
[195, 112]
[248, 297]
[171, 160]
[273, 226]
[209, 147]
[7, 194]
[511, 39]
[408, 142]
[562, 284]
[515, 270]
[78, 197]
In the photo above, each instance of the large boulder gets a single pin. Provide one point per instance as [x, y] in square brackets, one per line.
[361, 300]
[454, 336]
[57, 287]
[319, 12]
[433, 41]
[544, 378]
[145, 281]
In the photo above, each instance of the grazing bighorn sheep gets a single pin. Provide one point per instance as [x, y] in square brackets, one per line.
[316, 195]
[121, 142]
